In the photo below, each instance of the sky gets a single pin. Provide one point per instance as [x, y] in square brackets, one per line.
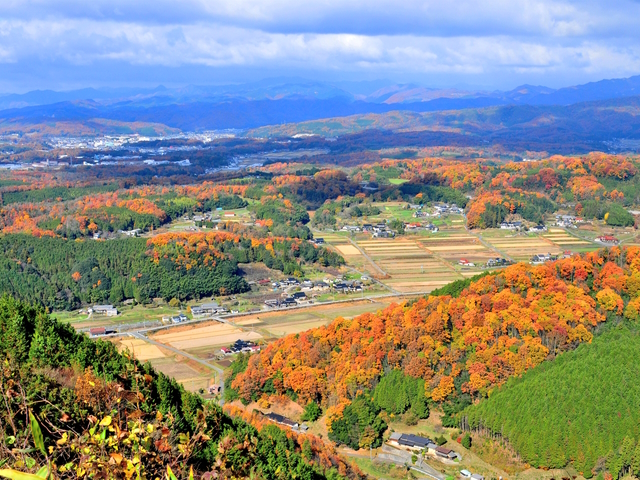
[492, 44]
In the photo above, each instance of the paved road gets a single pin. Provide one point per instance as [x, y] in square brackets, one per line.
[219, 370]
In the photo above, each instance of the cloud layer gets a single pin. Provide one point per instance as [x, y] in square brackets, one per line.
[496, 42]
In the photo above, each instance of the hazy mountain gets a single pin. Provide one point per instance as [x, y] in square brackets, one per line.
[282, 100]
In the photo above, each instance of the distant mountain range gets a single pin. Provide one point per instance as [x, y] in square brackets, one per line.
[283, 100]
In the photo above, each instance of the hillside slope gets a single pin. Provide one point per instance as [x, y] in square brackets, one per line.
[96, 413]
[578, 408]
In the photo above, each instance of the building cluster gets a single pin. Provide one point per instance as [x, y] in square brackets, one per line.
[422, 444]
[498, 262]
[568, 221]
[211, 308]
[378, 230]
[511, 226]
[608, 240]
[447, 209]
[239, 346]
[540, 258]
[180, 318]
[415, 226]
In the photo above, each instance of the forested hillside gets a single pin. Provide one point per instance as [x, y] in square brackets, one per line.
[77, 407]
[579, 408]
[63, 274]
[498, 327]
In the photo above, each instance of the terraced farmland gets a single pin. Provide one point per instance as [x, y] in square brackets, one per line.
[409, 265]
[459, 245]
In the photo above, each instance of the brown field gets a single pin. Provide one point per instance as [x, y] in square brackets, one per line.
[282, 329]
[522, 248]
[410, 266]
[185, 372]
[348, 250]
[141, 350]
[201, 336]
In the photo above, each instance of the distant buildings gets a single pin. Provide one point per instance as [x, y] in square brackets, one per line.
[240, 346]
[108, 310]
[511, 225]
[608, 240]
[210, 308]
[541, 258]
[179, 318]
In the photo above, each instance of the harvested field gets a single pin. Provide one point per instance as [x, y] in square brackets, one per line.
[201, 336]
[282, 329]
[449, 248]
[411, 266]
[348, 250]
[142, 350]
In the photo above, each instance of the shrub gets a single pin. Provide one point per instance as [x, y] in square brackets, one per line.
[311, 412]
[466, 441]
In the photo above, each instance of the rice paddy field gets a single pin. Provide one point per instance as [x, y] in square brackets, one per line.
[190, 374]
[205, 339]
[211, 334]
[520, 247]
[410, 267]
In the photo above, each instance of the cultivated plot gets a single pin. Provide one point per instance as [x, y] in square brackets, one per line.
[140, 349]
[216, 334]
[459, 246]
[410, 267]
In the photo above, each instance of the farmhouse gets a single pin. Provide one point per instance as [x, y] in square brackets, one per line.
[420, 214]
[229, 214]
[98, 331]
[179, 318]
[510, 225]
[272, 302]
[465, 263]
[538, 229]
[446, 453]
[108, 310]
[413, 442]
[130, 233]
[367, 227]
[498, 261]
[608, 240]
[287, 422]
[541, 258]
[206, 309]
[299, 296]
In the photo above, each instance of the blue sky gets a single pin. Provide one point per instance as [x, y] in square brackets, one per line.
[63, 44]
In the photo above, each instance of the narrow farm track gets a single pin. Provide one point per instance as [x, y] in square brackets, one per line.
[218, 370]
[370, 260]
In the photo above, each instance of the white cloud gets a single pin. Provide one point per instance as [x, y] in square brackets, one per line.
[496, 38]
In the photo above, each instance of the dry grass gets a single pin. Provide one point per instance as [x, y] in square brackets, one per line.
[142, 350]
[209, 335]
[348, 250]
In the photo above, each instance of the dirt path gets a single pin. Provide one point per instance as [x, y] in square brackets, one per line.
[218, 370]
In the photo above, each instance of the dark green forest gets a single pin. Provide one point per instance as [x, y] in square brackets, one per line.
[576, 409]
[63, 274]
